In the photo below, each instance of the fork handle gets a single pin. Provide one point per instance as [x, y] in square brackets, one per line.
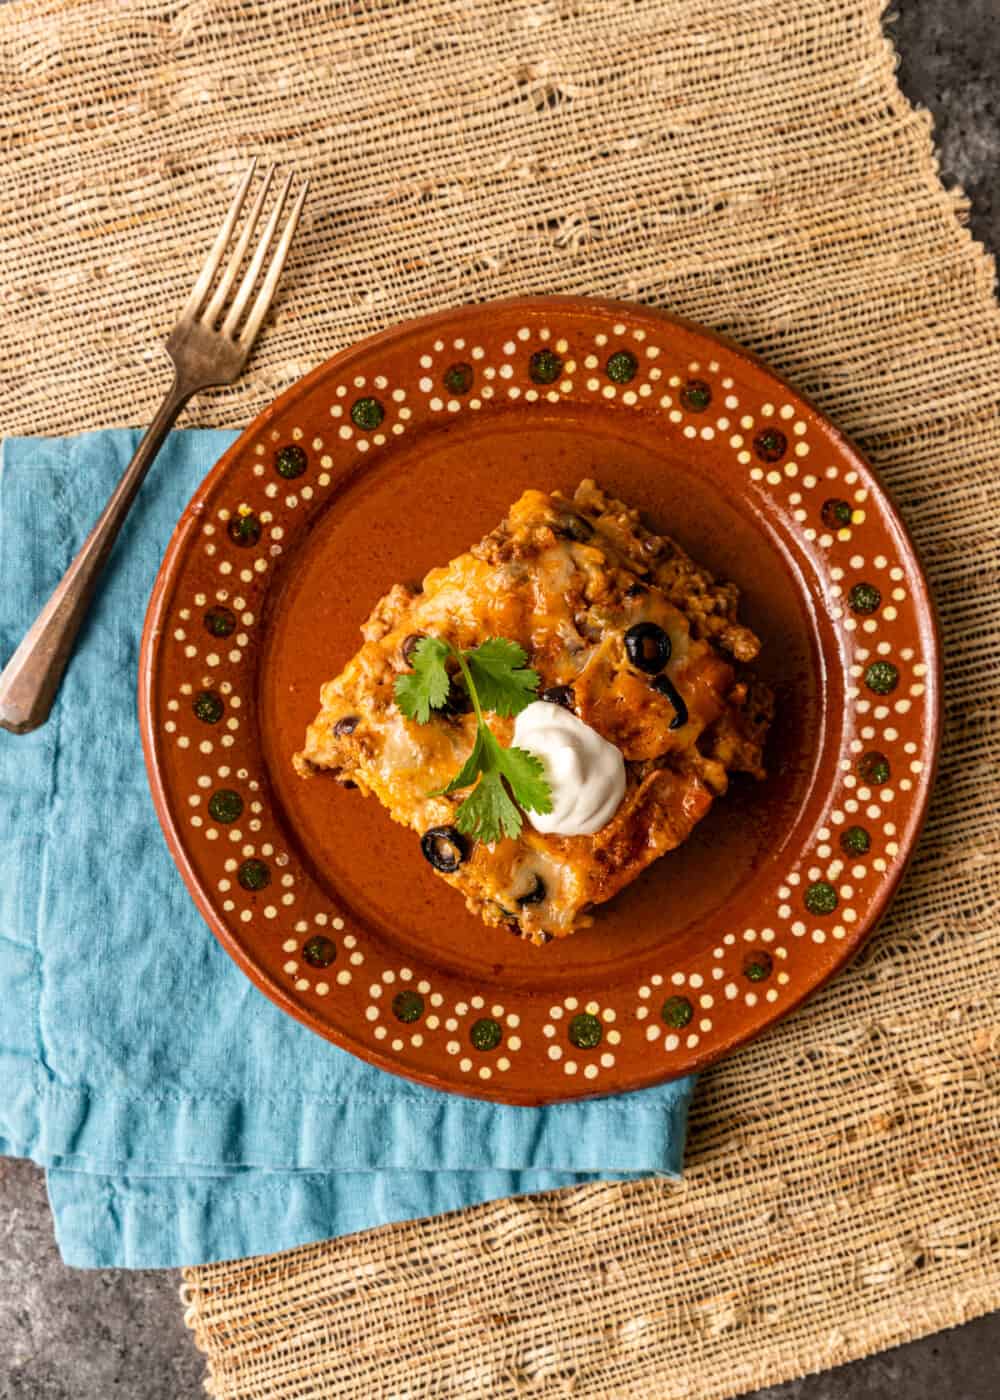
[30, 680]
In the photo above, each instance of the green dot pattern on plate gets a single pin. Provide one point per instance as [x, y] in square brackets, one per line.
[835, 514]
[677, 1011]
[821, 898]
[244, 529]
[290, 461]
[254, 875]
[457, 379]
[225, 806]
[864, 598]
[367, 414]
[585, 1031]
[874, 768]
[881, 677]
[696, 395]
[855, 841]
[545, 367]
[757, 967]
[220, 622]
[485, 1033]
[319, 951]
[208, 706]
[770, 445]
[621, 366]
[407, 1007]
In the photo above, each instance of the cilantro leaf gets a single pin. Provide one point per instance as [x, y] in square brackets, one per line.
[526, 775]
[425, 688]
[488, 812]
[505, 685]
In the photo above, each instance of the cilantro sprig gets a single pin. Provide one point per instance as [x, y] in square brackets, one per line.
[497, 679]
[426, 687]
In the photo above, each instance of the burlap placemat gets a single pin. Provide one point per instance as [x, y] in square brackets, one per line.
[752, 166]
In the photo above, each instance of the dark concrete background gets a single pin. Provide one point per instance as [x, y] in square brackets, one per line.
[69, 1335]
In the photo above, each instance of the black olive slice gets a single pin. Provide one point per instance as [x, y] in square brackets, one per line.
[665, 686]
[346, 725]
[444, 847]
[458, 701]
[648, 647]
[410, 645]
[535, 895]
[559, 695]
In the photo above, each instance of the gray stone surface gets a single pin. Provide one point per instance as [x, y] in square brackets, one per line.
[81, 1334]
[90, 1336]
[950, 63]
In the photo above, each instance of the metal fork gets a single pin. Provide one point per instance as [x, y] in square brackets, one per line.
[204, 353]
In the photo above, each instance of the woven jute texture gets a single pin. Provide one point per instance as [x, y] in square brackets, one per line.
[750, 165]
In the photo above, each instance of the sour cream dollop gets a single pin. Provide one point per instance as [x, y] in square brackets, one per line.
[585, 773]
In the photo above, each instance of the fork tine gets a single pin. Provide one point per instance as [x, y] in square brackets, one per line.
[225, 233]
[214, 307]
[246, 287]
[260, 307]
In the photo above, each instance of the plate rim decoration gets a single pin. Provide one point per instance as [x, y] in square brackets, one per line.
[528, 1045]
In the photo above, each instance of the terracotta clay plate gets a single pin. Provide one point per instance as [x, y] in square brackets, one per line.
[393, 458]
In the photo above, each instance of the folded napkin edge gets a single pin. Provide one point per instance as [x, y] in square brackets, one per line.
[58, 1123]
[211, 1221]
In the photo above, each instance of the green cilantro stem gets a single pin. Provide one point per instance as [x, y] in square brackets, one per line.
[469, 682]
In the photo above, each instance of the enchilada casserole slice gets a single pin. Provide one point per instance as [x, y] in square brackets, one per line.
[569, 580]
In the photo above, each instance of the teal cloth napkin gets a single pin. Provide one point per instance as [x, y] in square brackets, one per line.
[181, 1117]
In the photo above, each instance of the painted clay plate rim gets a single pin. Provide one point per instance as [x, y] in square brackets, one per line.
[859, 549]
